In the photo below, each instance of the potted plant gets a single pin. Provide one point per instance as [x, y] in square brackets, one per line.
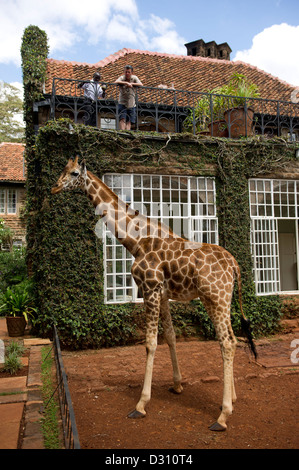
[16, 305]
[208, 115]
[239, 116]
[224, 111]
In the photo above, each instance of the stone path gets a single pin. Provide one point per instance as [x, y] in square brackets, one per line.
[21, 399]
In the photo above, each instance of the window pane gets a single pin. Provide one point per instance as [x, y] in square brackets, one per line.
[2, 201]
[11, 201]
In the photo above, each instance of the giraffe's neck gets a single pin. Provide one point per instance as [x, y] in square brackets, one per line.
[126, 224]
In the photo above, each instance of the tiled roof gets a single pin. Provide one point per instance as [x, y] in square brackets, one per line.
[12, 162]
[185, 72]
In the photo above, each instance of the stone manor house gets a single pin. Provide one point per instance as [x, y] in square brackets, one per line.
[172, 86]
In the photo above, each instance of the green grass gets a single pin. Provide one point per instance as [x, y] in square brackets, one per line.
[5, 394]
[50, 424]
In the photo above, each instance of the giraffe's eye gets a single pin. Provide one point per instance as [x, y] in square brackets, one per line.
[75, 173]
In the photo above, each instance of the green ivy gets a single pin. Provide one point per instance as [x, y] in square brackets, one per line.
[34, 52]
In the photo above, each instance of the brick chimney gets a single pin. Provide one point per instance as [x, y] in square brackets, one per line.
[209, 49]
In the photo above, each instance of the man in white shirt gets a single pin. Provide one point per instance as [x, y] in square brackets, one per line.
[92, 91]
[127, 98]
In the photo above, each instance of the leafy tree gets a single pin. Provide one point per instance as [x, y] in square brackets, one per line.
[11, 109]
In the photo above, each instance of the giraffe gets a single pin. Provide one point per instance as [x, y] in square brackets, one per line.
[168, 267]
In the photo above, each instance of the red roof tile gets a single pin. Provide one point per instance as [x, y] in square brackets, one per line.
[12, 162]
[185, 72]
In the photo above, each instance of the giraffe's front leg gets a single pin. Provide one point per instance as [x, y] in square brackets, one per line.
[169, 335]
[152, 307]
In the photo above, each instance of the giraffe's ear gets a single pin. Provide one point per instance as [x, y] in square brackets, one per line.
[83, 167]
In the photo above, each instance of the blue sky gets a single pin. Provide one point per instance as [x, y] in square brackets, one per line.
[264, 33]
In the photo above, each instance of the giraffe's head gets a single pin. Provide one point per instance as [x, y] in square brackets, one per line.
[73, 176]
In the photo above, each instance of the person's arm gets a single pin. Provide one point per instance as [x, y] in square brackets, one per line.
[81, 84]
[104, 87]
[120, 81]
[102, 91]
[137, 82]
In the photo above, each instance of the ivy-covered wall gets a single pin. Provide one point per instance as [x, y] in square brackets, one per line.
[64, 255]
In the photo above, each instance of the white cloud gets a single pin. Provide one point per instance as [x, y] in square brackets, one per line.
[169, 42]
[159, 25]
[118, 28]
[19, 87]
[70, 22]
[160, 35]
[275, 50]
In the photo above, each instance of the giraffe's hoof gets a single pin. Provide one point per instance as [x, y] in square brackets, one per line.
[217, 427]
[176, 392]
[136, 414]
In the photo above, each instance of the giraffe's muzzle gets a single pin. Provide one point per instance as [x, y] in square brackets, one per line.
[56, 189]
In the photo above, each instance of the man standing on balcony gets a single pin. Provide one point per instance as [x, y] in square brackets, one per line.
[92, 91]
[127, 98]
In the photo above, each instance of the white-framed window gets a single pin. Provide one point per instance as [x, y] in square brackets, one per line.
[186, 204]
[8, 201]
[274, 212]
[17, 244]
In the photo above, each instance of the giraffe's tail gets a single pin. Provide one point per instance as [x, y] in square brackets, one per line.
[245, 323]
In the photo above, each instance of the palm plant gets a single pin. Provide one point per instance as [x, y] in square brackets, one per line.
[240, 87]
[17, 302]
[213, 104]
[207, 109]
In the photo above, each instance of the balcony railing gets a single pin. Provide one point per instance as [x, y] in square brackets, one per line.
[169, 110]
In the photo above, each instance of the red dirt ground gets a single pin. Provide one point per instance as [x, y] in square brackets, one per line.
[105, 385]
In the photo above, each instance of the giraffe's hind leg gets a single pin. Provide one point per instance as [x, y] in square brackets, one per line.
[170, 338]
[219, 312]
[228, 347]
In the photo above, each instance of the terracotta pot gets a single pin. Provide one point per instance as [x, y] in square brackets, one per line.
[204, 133]
[219, 129]
[16, 326]
[239, 123]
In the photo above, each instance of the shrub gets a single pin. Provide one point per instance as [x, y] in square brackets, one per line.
[6, 235]
[15, 347]
[12, 363]
[13, 268]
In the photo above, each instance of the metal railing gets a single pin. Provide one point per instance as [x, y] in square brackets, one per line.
[169, 110]
[71, 437]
